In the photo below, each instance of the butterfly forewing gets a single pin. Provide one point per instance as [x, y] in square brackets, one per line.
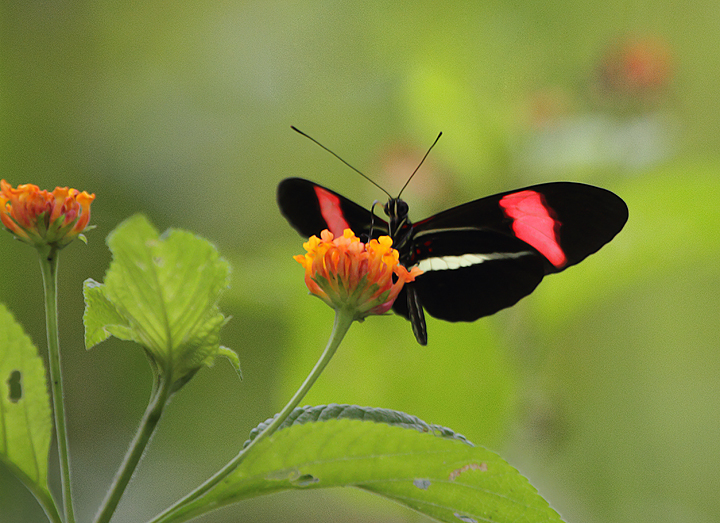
[310, 208]
[578, 219]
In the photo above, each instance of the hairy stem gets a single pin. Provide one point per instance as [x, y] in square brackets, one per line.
[49, 267]
[151, 418]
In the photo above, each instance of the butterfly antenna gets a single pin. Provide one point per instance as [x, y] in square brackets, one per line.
[343, 161]
[421, 162]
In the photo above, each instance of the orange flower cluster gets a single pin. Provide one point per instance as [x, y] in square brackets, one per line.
[348, 274]
[44, 218]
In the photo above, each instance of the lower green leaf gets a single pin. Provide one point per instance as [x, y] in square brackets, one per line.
[308, 414]
[446, 479]
[25, 418]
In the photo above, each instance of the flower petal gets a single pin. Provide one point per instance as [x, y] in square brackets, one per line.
[347, 273]
[44, 218]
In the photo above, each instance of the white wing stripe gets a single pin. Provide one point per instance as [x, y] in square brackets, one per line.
[446, 263]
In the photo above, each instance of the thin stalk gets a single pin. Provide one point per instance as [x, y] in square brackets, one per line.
[151, 418]
[191, 505]
[49, 266]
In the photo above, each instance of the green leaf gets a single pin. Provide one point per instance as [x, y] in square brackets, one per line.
[25, 417]
[444, 478]
[162, 293]
[308, 414]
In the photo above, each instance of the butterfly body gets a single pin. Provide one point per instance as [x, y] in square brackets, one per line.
[479, 257]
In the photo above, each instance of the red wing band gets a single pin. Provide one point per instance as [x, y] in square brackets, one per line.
[331, 211]
[533, 224]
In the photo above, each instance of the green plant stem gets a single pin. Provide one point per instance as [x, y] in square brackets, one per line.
[49, 266]
[48, 505]
[192, 505]
[151, 418]
[42, 495]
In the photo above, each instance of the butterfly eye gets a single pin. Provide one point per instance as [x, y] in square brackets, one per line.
[401, 208]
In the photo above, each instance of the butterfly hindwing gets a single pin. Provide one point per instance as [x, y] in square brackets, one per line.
[468, 274]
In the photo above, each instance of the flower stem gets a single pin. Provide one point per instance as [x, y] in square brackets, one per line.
[192, 505]
[153, 412]
[49, 266]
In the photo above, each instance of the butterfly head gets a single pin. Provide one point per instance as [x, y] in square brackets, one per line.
[396, 208]
[397, 212]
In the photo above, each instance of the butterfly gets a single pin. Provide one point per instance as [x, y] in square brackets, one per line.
[477, 258]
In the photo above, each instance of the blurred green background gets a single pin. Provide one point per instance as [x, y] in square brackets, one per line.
[603, 387]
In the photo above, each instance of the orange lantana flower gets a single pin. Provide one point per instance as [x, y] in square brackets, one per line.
[348, 274]
[44, 218]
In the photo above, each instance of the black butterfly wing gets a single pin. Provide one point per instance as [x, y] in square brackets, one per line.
[564, 221]
[485, 255]
[310, 208]
[468, 274]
